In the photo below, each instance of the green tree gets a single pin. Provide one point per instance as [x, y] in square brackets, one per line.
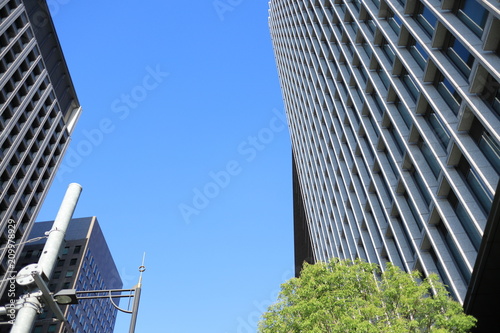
[356, 296]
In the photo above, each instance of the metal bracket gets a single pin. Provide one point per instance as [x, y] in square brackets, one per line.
[47, 297]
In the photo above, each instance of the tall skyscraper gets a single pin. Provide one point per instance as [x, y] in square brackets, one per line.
[85, 263]
[38, 112]
[394, 113]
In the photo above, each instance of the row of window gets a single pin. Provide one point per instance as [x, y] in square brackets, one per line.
[441, 83]
[20, 181]
[75, 250]
[331, 57]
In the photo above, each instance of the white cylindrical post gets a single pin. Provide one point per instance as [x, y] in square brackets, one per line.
[26, 316]
[51, 249]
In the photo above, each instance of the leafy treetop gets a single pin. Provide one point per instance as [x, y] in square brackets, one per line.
[356, 296]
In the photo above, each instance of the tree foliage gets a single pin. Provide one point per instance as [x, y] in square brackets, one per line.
[356, 296]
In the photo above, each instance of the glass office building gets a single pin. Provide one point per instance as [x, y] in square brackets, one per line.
[394, 113]
[38, 111]
[85, 263]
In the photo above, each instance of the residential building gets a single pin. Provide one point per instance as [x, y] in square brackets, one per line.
[85, 263]
[394, 113]
[38, 112]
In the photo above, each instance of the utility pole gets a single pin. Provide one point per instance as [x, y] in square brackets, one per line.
[35, 276]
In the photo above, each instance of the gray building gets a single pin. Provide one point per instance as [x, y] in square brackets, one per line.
[38, 112]
[394, 113]
[85, 263]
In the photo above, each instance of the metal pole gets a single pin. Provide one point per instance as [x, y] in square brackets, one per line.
[51, 249]
[135, 308]
[137, 297]
[26, 315]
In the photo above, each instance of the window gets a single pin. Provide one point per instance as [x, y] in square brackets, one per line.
[397, 139]
[410, 84]
[363, 73]
[57, 275]
[404, 112]
[393, 166]
[448, 92]
[477, 186]
[77, 249]
[65, 250]
[472, 14]
[73, 261]
[405, 234]
[441, 271]
[357, 4]
[60, 263]
[394, 21]
[373, 122]
[379, 106]
[438, 127]
[38, 329]
[459, 55]
[486, 143]
[383, 76]
[370, 24]
[367, 48]
[429, 157]
[491, 94]
[69, 273]
[465, 220]
[419, 181]
[360, 95]
[52, 328]
[418, 52]
[349, 48]
[414, 211]
[425, 18]
[388, 50]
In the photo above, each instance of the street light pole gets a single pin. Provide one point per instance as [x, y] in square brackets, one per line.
[137, 297]
[71, 296]
[135, 306]
[33, 276]
[48, 259]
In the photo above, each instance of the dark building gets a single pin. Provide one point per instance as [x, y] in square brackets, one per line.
[85, 263]
[38, 112]
[394, 114]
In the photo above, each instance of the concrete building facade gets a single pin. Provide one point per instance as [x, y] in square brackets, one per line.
[394, 113]
[38, 111]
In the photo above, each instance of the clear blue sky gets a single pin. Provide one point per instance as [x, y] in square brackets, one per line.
[182, 153]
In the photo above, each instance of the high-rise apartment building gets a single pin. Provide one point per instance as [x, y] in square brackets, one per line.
[85, 263]
[394, 113]
[38, 111]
